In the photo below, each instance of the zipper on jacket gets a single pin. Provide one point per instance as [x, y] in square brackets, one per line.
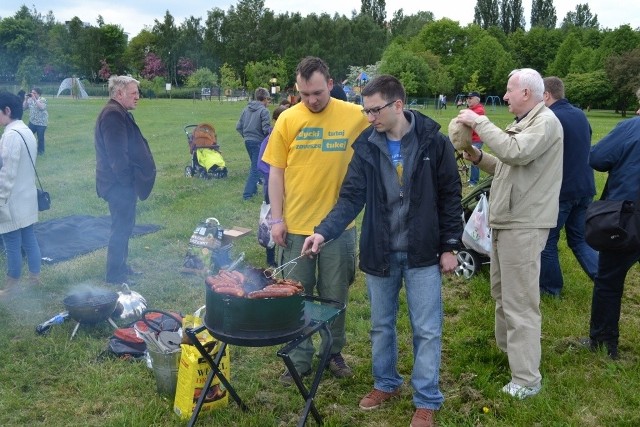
[401, 196]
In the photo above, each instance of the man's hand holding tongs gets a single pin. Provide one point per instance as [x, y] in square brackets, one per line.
[312, 245]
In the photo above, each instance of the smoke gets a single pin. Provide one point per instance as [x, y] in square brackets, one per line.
[86, 293]
[28, 304]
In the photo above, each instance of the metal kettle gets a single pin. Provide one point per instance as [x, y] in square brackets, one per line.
[130, 304]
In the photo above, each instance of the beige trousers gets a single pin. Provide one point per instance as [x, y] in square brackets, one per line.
[515, 271]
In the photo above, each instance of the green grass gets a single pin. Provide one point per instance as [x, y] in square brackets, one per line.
[50, 380]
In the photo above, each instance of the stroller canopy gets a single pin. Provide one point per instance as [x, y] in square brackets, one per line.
[204, 136]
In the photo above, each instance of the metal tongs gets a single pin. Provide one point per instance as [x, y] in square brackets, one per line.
[235, 263]
[271, 274]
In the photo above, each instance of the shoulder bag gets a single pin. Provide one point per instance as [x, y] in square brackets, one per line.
[613, 225]
[44, 200]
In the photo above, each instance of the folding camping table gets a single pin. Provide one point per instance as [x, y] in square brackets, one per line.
[319, 314]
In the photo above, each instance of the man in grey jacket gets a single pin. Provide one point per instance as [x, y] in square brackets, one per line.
[254, 126]
[527, 169]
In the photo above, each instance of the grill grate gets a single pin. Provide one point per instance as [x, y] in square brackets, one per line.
[91, 299]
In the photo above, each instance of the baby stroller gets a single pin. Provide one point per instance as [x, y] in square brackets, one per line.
[470, 261]
[206, 158]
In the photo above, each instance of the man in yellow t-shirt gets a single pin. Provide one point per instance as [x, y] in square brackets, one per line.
[309, 151]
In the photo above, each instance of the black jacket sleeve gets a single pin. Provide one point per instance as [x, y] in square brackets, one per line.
[449, 197]
[351, 200]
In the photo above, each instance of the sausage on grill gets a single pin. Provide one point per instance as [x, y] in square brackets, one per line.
[238, 276]
[221, 282]
[290, 282]
[229, 275]
[271, 293]
[230, 290]
[292, 288]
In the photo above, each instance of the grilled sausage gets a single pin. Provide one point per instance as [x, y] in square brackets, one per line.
[217, 281]
[231, 290]
[290, 282]
[271, 293]
[225, 283]
[210, 280]
[239, 276]
[225, 274]
[294, 289]
[229, 275]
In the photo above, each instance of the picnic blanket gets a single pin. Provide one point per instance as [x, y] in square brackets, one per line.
[67, 237]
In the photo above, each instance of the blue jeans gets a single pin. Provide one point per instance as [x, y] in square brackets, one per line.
[571, 216]
[251, 186]
[14, 242]
[475, 170]
[39, 131]
[424, 300]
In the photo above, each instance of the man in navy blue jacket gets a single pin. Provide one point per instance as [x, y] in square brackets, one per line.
[618, 153]
[576, 193]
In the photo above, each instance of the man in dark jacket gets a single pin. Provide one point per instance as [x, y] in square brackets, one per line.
[576, 193]
[125, 170]
[618, 154]
[404, 173]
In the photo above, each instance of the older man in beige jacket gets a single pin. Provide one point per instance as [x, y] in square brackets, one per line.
[527, 169]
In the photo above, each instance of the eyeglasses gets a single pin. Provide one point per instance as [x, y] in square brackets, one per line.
[375, 111]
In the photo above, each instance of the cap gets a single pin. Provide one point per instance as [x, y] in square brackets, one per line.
[459, 134]
[473, 94]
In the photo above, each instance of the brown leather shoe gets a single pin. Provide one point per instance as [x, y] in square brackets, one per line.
[423, 418]
[375, 398]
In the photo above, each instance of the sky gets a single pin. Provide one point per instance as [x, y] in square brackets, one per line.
[133, 15]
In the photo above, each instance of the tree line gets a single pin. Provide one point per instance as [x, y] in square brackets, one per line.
[249, 45]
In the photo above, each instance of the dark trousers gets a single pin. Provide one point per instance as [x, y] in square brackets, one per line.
[39, 131]
[607, 297]
[122, 207]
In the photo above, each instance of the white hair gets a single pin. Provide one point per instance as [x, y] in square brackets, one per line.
[528, 78]
[117, 83]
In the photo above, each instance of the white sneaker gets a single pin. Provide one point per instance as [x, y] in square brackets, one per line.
[520, 392]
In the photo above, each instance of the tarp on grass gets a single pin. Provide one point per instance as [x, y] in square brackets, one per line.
[61, 239]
